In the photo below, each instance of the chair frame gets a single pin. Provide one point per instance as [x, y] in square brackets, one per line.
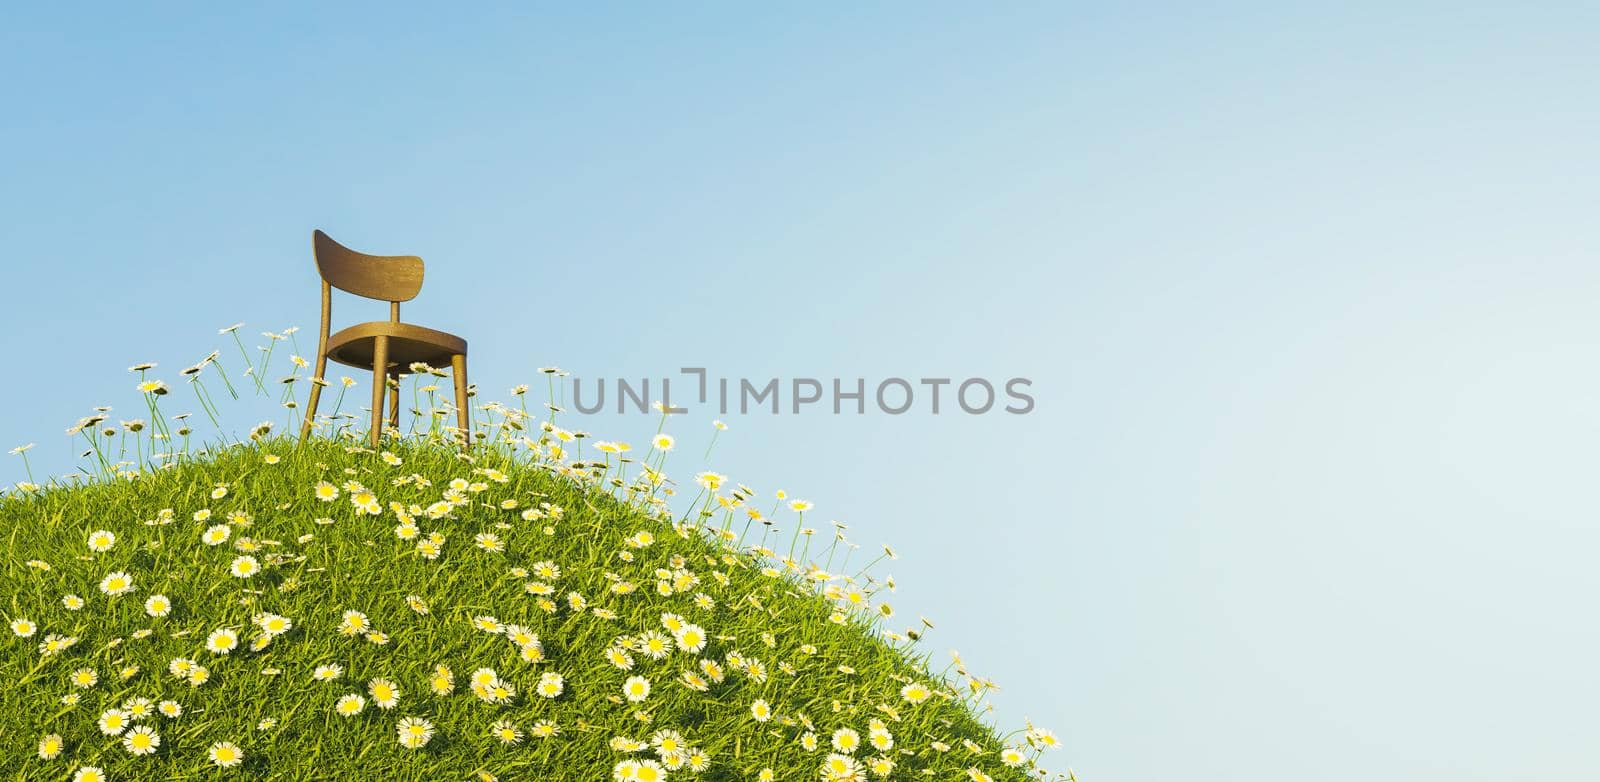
[392, 278]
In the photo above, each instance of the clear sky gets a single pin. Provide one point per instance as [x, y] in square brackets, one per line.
[1308, 297]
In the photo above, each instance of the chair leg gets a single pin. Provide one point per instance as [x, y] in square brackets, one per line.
[316, 393]
[380, 370]
[394, 403]
[458, 369]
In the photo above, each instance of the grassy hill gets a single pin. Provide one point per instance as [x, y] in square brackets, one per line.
[274, 610]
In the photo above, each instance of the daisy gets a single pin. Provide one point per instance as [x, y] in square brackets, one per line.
[101, 540]
[550, 685]
[497, 691]
[170, 709]
[654, 644]
[226, 754]
[669, 743]
[138, 708]
[244, 566]
[350, 705]
[483, 677]
[50, 746]
[55, 643]
[327, 492]
[117, 583]
[72, 602]
[216, 535]
[1043, 739]
[662, 442]
[274, 625]
[506, 731]
[846, 740]
[142, 740]
[385, 694]
[113, 722]
[353, 623]
[756, 670]
[760, 710]
[712, 670]
[648, 771]
[690, 638]
[84, 678]
[443, 680]
[915, 692]
[636, 689]
[89, 774]
[327, 673]
[532, 653]
[619, 657]
[414, 732]
[840, 767]
[24, 628]
[158, 606]
[222, 641]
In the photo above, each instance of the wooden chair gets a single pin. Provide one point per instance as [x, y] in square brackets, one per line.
[389, 347]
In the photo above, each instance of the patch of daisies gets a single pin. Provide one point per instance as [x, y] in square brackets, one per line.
[800, 713]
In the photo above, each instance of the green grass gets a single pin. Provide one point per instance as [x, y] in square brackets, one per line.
[443, 552]
[829, 663]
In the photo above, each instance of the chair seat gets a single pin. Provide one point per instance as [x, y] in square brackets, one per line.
[354, 346]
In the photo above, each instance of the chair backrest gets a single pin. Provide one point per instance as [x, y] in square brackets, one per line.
[391, 278]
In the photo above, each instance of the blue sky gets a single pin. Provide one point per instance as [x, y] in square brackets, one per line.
[1307, 297]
